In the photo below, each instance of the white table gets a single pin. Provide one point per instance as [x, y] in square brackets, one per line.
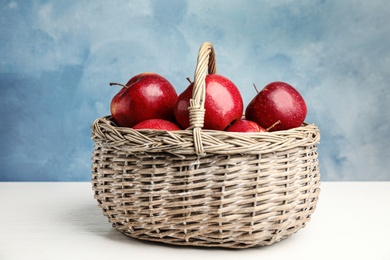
[63, 221]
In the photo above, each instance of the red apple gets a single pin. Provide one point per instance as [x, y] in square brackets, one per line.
[157, 124]
[223, 104]
[147, 95]
[278, 106]
[245, 126]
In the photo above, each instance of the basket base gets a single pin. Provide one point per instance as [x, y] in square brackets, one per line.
[214, 241]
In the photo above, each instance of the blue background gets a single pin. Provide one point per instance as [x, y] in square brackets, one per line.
[57, 58]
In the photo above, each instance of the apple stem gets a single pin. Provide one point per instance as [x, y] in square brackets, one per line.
[189, 80]
[254, 85]
[118, 84]
[272, 126]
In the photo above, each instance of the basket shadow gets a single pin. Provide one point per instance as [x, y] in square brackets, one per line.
[147, 243]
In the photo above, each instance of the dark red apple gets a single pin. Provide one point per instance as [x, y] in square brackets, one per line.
[278, 106]
[157, 124]
[244, 125]
[223, 104]
[147, 95]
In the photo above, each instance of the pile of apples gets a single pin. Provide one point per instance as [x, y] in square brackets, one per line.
[149, 101]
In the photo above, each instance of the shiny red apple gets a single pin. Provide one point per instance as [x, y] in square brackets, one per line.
[157, 124]
[244, 125]
[278, 106]
[145, 96]
[223, 104]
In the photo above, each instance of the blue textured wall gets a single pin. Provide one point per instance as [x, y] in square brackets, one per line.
[57, 58]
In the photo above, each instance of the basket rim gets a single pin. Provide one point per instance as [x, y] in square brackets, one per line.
[181, 142]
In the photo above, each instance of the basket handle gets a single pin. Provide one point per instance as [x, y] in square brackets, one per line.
[206, 63]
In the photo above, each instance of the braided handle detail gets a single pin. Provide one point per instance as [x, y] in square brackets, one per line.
[206, 63]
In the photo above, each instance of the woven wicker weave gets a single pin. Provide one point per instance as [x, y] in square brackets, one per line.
[202, 187]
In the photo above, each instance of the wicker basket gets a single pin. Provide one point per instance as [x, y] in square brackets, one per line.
[202, 187]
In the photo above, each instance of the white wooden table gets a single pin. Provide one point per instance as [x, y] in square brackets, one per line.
[63, 221]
